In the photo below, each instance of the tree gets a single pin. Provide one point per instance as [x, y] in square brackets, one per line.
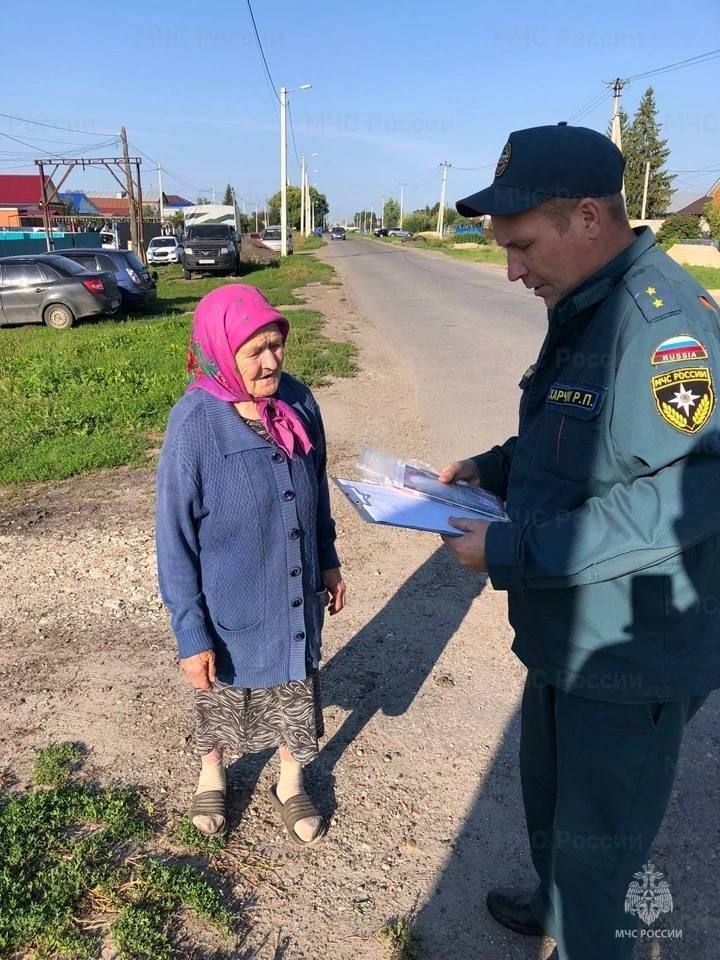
[202, 200]
[679, 226]
[229, 198]
[711, 212]
[642, 143]
[391, 213]
[293, 206]
[178, 220]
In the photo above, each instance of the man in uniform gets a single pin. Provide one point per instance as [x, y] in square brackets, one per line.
[611, 558]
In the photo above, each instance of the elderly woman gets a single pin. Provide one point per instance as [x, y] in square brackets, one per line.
[246, 555]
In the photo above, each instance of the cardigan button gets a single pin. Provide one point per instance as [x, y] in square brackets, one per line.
[297, 602]
[288, 495]
[299, 636]
[295, 572]
[278, 457]
[294, 534]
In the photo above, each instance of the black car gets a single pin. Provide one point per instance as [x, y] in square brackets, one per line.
[380, 231]
[137, 286]
[48, 288]
[337, 233]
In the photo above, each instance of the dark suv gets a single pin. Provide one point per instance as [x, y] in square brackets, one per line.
[137, 286]
[48, 288]
[210, 248]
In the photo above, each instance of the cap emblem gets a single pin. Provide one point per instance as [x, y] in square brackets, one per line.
[504, 160]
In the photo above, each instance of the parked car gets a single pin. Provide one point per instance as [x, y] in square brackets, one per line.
[399, 232]
[164, 250]
[210, 248]
[272, 238]
[137, 286]
[52, 289]
[380, 231]
[338, 233]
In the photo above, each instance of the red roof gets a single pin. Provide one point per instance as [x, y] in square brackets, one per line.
[20, 189]
[111, 206]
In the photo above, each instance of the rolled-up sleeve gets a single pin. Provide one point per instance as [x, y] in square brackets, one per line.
[178, 552]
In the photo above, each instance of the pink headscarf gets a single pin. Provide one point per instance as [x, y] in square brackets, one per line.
[223, 321]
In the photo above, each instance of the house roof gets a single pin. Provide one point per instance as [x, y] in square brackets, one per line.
[681, 198]
[175, 200]
[111, 206]
[695, 207]
[20, 189]
[79, 203]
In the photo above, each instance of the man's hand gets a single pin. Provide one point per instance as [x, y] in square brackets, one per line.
[335, 585]
[460, 470]
[469, 549]
[200, 669]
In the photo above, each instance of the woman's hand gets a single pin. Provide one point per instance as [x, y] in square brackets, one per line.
[200, 669]
[335, 585]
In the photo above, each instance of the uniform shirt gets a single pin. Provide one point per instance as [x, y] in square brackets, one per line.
[612, 558]
[243, 536]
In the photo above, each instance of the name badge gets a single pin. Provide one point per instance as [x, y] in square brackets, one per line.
[577, 400]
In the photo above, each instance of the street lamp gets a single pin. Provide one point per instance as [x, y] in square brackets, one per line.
[303, 194]
[283, 163]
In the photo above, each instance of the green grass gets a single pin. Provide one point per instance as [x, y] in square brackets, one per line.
[98, 395]
[709, 277]
[73, 866]
[485, 253]
[306, 244]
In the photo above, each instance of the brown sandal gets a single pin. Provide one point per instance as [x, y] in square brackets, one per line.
[299, 807]
[210, 803]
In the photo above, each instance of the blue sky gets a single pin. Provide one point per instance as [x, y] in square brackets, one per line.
[398, 86]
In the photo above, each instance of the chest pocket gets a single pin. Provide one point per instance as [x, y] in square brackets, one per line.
[573, 438]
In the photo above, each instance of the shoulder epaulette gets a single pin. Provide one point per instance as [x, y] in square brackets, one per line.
[653, 293]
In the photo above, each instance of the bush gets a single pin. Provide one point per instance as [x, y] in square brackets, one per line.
[678, 226]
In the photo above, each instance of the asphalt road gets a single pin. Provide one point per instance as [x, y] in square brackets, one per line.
[465, 333]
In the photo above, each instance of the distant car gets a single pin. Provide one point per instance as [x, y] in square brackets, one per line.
[338, 233]
[164, 250]
[137, 286]
[52, 289]
[380, 231]
[272, 238]
[398, 232]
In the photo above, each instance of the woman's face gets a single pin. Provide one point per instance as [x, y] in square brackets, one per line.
[259, 361]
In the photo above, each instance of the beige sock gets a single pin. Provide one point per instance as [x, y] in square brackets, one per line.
[212, 777]
[289, 785]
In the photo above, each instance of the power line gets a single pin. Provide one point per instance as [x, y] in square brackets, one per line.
[700, 58]
[52, 126]
[172, 176]
[262, 53]
[292, 132]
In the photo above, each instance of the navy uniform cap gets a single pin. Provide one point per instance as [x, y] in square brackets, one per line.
[543, 162]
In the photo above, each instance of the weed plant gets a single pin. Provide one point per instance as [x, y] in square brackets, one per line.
[73, 871]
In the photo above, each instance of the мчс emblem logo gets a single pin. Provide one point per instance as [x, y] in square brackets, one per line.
[684, 398]
[648, 895]
[504, 160]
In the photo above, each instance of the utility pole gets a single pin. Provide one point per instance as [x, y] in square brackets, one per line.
[283, 172]
[372, 214]
[162, 205]
[402, 187]
[645, 190]
[256, 217]
[616, 130]
[302, 196]
[441, 208]
[132, 205]
[212, 189]
[382, 212]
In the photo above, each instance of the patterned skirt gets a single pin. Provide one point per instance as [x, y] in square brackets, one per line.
[243, 720]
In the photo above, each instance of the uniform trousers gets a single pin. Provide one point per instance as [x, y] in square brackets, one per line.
[596, 781]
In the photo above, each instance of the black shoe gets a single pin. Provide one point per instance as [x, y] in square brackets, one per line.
[511, 909]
